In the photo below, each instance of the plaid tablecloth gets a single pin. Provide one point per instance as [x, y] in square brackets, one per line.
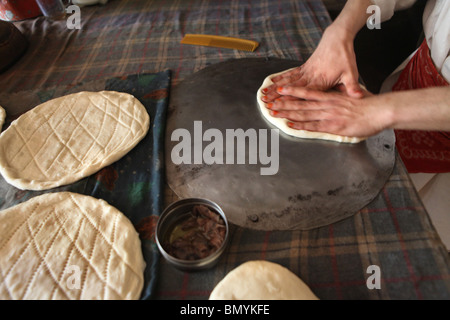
[127, 37]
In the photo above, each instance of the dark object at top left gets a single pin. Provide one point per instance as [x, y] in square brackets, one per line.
[13, 45]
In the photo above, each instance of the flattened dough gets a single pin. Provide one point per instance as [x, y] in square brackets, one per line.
[67, 246]
[281, 123]
[2, 117]
[68, 138]
[261, 280]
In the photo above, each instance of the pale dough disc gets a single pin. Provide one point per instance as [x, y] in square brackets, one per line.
[2, 117]
[281, 123]
[68, 138]
[68, 246]
[261, 280]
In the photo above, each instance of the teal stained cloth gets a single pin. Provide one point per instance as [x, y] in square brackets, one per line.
[135, 183]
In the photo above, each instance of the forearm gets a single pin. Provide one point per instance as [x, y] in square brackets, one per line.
[423, 109]
[333, 112]
[352, 17]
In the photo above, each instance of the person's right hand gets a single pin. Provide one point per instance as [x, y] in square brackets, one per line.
[332, 65]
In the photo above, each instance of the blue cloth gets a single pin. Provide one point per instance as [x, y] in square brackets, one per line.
[135, 183]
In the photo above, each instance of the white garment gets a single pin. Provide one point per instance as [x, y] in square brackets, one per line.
[433, 189]
[436, 26]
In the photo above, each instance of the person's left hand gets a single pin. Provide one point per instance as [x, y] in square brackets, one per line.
[331, 112]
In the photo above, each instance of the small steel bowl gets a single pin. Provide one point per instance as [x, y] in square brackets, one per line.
[173, 215]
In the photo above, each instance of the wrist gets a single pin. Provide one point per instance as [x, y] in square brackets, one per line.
[340, 33]
[383, 113]
[419, 109]
[343, 30]
[352, 18]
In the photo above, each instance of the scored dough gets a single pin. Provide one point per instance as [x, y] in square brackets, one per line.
[68, 246]
[261, 280]
[68, 138]
[281, 123]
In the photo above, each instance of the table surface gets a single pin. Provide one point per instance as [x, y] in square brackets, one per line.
[130, 37]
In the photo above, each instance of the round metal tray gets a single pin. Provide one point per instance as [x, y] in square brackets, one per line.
[318, 182]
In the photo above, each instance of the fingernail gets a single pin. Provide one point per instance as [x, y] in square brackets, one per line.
[265, 90]
[264, 98]
[270, 105]
[290, 124]
[273, 113]
[280, 89]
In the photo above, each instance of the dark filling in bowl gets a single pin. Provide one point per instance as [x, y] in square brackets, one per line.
[197, 236]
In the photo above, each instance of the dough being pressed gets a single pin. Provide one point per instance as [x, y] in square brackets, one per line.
[68, 138]
[281, 123]
[68, 246]
[261, 280]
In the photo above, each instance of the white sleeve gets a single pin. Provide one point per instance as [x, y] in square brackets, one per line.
[388, 7]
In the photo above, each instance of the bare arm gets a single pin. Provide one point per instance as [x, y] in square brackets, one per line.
[337, 113]
[352, 17]
[333, 63]
[422, 109]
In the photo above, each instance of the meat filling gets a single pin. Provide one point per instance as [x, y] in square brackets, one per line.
[198, 236]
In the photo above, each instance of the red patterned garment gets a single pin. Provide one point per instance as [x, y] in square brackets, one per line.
[422, 151]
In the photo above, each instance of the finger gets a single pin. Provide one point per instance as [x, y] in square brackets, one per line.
[341, 88]
[271, 90]
[301, 116]
[270, 97]
[329, 126]
[270, 93]
[315, 126]
[352, 87]
[288, 103]
[287, 98]
[289, 76]
[308, 126]
[306, 93]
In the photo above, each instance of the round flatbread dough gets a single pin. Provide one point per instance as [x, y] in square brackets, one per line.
[65, 246]
[261, 280]
[66, 139]
[281, 123]
[2, 117]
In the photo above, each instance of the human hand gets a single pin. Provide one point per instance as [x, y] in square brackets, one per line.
[333, 64]
[331, 112]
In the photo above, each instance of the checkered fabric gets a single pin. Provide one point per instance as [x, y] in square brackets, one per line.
[134, 36]
[131, 37]
[393, 232]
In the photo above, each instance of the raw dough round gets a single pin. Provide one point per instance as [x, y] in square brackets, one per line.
[68, 246]
[281, 123]
[2, 117]
[66, 139]
[261, 280]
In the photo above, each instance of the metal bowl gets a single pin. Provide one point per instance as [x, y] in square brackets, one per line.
[173, 215]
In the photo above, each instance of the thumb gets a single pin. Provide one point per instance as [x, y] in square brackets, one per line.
[354, 90]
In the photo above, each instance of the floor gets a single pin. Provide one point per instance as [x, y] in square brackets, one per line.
[378, 53]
